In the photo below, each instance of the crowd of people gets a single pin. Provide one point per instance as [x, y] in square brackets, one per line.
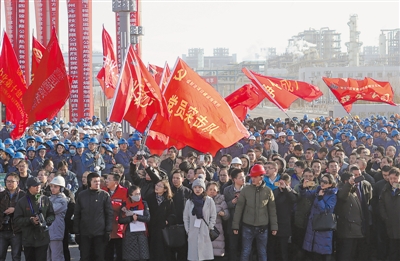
[295, 189]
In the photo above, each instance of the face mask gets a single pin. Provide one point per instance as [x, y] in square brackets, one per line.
[72, 152]
[135, 198]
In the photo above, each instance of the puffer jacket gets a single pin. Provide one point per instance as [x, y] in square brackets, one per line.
[256, 207]
[93, 215]
[33, 235]
[319, 241]
[219, 243]
[60, 204]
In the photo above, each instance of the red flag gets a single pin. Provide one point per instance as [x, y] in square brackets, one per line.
[158, 142]
[272, 91]
[50, 89]
[13, 86]
[245, 98]
[199, 116]
[348, 91]
[37, 53]
[108, 74]
[161, 75]
[303, 90]
[145, 97]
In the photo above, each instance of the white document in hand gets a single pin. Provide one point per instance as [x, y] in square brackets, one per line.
[137, 226]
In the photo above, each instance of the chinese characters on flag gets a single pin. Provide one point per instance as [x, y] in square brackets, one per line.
[13, 87]
[199, 116]
[270, 90]
[108, 74]
[348, 91]
[138, 96]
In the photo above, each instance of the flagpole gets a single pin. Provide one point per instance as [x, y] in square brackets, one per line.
[146, 131]
[355, 121]
[276, 103]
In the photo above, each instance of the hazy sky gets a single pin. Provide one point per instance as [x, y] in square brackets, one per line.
[172, 27]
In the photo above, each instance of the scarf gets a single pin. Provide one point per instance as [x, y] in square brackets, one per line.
[198, 202]
[133, 205]
[160, 199]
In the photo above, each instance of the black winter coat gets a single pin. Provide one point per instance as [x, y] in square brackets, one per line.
[33, 235]
[390, 211]
[5, 203]
[146, 186]
[93, 213]
[159, 214]
[284, 202]
[349, 213]
[181, 194]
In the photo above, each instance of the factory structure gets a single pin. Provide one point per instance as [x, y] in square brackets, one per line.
[309, 56]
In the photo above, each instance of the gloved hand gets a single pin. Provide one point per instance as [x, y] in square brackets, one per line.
[78, 239]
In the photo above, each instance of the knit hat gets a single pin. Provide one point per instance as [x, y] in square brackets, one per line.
[199, 182]
[32, 182]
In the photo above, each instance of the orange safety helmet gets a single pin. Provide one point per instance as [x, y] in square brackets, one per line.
[257, 170]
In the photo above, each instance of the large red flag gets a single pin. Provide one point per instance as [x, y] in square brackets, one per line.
[108, 74]
[144, 98]
[50, 89]
[13, 87]
[37, 53]
[348, 91]
[243, 99]
[272, 91]
[199, 116]
[303, 90]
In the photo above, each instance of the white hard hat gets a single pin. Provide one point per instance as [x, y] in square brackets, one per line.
[236, 160]
[281, 134]
[59, 181]
[270, 132]
[252, 137]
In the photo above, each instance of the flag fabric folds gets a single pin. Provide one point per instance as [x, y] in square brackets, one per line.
[270, 90]
[349, 90]
[138, 96]
[243, 99]
[108, 74]
[13, 87]
[199, 116]
[158, 142]
[50, 88]
[37, 53]
[161, 75]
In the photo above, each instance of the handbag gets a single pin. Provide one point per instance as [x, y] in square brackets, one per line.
[214, 233]
[324, 222]
[174, 236]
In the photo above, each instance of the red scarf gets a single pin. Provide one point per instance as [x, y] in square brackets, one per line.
[136, 205]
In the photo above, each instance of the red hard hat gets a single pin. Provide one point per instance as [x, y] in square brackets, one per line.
[257, 170]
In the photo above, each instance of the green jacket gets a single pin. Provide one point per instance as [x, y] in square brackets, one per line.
[33, 235]
[256, 207]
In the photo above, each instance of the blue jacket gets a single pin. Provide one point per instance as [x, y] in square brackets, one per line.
[37, 163]
[89, 161]
[77, 167]
[319, 242]
[124, 159]
[108, 161]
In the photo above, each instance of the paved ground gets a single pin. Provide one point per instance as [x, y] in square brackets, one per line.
[72, 248]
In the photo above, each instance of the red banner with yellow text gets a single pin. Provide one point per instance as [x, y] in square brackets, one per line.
[199, 116]
[37, 53]
[13, 87]
[243, 99]
[349, 90]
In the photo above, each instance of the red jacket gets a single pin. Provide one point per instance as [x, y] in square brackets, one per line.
[120, 195]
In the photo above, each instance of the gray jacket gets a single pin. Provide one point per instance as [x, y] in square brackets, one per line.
[57, 228]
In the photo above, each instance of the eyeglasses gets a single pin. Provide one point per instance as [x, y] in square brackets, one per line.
[10, 181]
[324, 181]
[160, 185]
[136, 194]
